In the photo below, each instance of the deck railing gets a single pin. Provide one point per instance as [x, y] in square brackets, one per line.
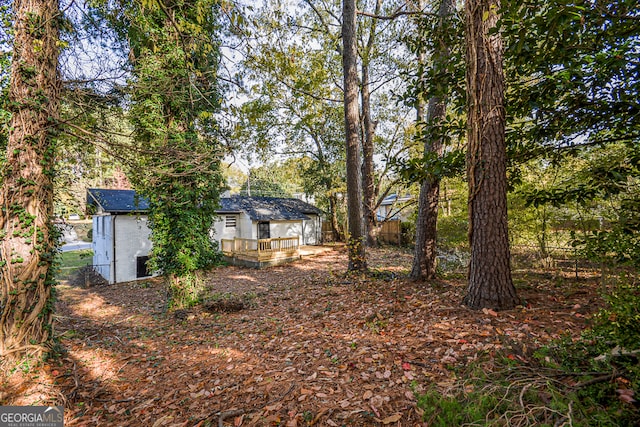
[260, 246]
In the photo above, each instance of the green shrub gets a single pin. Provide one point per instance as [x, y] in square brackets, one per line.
[619, 323]
[590, 381]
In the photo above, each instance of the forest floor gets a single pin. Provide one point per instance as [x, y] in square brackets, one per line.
[294, 345]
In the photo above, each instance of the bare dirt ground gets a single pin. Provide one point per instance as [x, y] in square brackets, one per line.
[293, 345]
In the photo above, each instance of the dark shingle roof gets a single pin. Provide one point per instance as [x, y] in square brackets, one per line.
[258, 208]
[116, 201]
[268, 208]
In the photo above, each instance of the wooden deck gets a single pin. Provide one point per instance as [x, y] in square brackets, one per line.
[261, 252]
[267, 252]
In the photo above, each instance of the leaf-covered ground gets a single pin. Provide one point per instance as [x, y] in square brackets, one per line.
[294, 345]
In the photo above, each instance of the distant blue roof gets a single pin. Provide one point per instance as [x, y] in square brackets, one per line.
[268, 208]
[394, 198]
[116, 201]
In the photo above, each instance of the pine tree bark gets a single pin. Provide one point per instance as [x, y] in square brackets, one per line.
[355, 243]
[27, 242]
[368, 135]
[424, 258]
[368, 182]
[490, 283]
[335, 224]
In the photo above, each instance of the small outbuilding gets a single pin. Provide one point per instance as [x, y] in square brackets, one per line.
[121, 243]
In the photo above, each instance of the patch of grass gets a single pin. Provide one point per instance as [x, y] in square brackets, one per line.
[72, 261]
[442, 410]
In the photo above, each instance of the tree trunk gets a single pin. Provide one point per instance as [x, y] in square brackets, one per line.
[490, 283]
[355, 244]
[369, 129]
[424, 259]
[368, 183]
[27, 245]
[335, 225]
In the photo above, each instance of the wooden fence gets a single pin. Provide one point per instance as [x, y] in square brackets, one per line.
[390, 232]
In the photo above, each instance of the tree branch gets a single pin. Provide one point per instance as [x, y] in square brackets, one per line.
[398, 13]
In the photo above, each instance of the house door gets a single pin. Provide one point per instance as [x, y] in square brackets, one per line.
[263, 230]
[141, 267]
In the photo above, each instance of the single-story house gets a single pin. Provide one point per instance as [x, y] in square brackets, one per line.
[248, 217]
[121, 243]
[260, 231]
[252, 231]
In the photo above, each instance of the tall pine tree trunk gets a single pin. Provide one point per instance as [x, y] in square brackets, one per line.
[355, 243]
[424, 259]
[490, 283]
[368, 182]
[27, 242]
[333, 211]
[368, 134]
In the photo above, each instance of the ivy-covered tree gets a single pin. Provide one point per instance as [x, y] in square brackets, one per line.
[27, 237]
[173, 98]
[5, 71]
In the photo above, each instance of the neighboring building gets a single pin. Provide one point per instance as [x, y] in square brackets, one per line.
[394, 208]
[121, 242]
[268, 218]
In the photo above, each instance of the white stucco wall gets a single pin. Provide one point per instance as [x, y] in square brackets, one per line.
[117, 242]
[285, 229]
[312, 229]
[220, 231]
[243, 228]
[246, 230]
[308, 230]
[132, 240]
[102, 245]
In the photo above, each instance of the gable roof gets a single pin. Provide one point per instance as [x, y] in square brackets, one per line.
[268, 208]
[116, 201]
[258, 208]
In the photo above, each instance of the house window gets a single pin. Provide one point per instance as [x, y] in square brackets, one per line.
[263, 230]
[141, 267]
[230, 221]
